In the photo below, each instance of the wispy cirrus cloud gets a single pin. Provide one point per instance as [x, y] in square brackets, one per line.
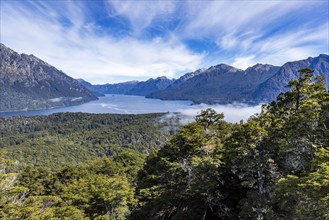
[283, 47]
[68, 43]
[121, 40]
[142, 14]
[250, 32]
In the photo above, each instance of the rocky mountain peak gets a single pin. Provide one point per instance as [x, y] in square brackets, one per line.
[224, 67]
[161, 78]
[260, 67]
[27, 82]
[6, 50]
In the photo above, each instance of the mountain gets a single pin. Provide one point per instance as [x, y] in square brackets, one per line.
[218, 84]
[175, 86]
[152, 85]
[117, 88]
[185, 77]
[225, 84]
[143, 88]
[268, 90]
[90, 87]
[27, 82]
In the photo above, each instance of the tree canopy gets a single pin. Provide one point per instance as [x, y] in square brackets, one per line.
[274, 166]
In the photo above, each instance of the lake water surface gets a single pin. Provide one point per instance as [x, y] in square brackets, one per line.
[124, 104]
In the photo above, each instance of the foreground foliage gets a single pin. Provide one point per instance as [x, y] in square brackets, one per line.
[274, 166]
[101, 189]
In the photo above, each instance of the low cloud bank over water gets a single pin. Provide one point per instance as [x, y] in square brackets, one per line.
[232, 112]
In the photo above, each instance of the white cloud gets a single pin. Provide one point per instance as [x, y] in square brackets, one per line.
[294, 45]
[217, 18]
[232, 113]
[228, 41]
[141, 14]
[249, 32]
[244, 62]
[278, 49]
[81, 53]
[61, 34]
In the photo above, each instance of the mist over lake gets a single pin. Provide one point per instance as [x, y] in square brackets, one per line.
[124, 104]
[232, 112]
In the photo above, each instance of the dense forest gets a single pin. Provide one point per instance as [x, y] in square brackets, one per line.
[274, 166]
[73, 138]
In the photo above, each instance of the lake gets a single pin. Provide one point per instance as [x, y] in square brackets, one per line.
[124, 104]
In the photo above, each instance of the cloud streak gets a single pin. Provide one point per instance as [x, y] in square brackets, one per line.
[80, 52]
[121, 40]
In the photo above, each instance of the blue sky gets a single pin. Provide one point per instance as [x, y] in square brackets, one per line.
[114, 41]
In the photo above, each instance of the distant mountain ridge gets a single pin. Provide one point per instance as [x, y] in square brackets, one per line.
[268, 90]
[150, 86]
[90, 87]
[117, 88]
[142, 88]
[27, 83]
[225, 84]
[219, 84]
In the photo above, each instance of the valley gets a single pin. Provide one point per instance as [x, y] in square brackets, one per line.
[44, 87]
[95, 166]
[164, 110]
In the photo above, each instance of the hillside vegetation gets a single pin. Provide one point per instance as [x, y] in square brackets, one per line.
[73, 138]
[274, 166]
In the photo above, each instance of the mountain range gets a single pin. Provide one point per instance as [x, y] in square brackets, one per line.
[27, 83]
[268, 90]
[218, 84]
[139, 88]
[223, 84]
[117, 88]
[150, 86]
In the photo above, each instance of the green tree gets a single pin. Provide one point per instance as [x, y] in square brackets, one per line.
[178, 182]
[282, 140]
[101, 196]
[43, 207]
[10, 191]
[306, 196]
